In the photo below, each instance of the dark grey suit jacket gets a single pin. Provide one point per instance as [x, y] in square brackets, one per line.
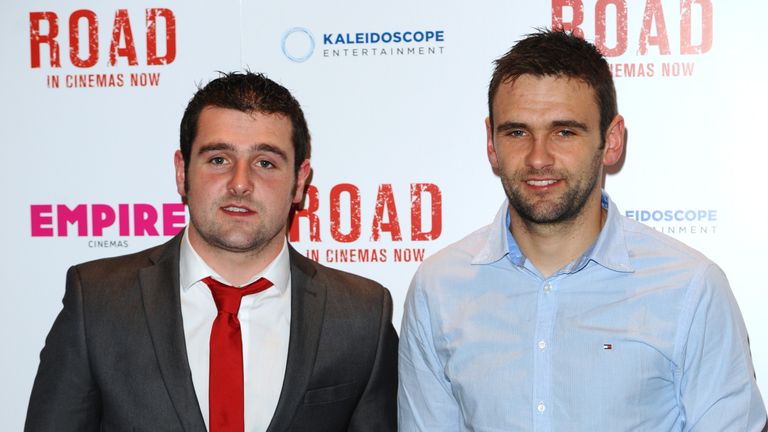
[116, 359]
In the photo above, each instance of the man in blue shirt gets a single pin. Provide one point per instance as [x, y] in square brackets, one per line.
[563, 315]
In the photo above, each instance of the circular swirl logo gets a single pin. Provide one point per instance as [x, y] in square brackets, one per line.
[298, 44]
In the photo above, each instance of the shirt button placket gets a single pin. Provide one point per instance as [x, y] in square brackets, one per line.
[546, 314]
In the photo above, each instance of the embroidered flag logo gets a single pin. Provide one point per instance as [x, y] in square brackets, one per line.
[607, 346]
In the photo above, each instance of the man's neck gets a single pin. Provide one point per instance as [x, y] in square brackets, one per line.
[550, 247]
[237, 267]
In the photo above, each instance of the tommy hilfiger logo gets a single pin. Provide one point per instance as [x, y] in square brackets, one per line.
[607, 346]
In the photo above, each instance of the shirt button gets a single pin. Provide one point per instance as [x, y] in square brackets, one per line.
[541, 407]
[542, 344]
[547, 288]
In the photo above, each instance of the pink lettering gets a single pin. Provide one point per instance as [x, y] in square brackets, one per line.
[103, 216]
[76, 216]
[174, 218]
[144, 219]
[42, 220]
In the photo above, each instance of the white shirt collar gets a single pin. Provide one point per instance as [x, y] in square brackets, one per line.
[193, 269]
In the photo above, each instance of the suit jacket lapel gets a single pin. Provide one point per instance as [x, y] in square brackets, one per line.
[307, 310]
[162, 305]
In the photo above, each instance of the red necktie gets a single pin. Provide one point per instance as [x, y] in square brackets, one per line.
[225, 386]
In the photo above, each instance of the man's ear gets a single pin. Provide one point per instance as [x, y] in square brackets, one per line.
[490, 148]
[178, 163]
[614, 141]
[302, 174]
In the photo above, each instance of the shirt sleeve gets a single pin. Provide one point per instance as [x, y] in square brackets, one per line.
[425, 401]
[717, 387]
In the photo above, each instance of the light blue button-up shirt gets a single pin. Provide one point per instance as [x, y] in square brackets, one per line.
[641, 333]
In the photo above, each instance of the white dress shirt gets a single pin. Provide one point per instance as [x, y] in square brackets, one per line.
[265, 320]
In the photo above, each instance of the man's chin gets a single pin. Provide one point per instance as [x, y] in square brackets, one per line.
[541, 213]
[237, 244]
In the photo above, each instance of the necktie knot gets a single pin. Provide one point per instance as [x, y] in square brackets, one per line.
[228, 298]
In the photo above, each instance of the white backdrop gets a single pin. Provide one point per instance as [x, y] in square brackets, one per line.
[395, 96]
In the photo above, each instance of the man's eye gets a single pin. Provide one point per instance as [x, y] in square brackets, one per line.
[265, 164]
[566, 133]
[218, 160]
[517, 133]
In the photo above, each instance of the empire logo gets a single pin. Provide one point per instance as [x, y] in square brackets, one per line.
[120, 49]
[613, 23]
[97, 220]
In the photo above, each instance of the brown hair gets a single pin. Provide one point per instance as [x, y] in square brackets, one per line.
[560, 54]
[247, 92]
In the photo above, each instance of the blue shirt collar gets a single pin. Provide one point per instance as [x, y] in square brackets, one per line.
[609, 250]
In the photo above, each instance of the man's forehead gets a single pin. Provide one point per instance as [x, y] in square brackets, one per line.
[510, 81]
[512, 86]
[222, 112]
[208, 119]
[253, 113]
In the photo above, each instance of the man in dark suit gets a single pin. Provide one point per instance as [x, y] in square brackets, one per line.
[133, 347]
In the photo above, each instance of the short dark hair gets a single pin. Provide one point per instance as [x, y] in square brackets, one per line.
[558, 53]
[247, 92]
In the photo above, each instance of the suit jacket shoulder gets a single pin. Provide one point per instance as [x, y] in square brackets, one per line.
[114, 271]
[115, 357]
[342, 284]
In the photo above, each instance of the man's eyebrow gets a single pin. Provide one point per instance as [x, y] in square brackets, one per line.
[255, 148]
[573, 124]
[207, 148]
[270, 149]
[507, 126]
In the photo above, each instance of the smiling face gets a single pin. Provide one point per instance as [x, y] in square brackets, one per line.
[240, 182]
[546, 147]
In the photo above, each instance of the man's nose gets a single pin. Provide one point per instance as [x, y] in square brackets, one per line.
[240, 183]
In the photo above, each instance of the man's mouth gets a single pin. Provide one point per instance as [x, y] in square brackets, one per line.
[234, 209]
[540, 182]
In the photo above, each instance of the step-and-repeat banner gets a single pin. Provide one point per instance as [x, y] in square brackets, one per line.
[395, 96]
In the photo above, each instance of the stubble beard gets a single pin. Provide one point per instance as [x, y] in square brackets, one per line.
[565, 209]
[233, 238]
[251, 242]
